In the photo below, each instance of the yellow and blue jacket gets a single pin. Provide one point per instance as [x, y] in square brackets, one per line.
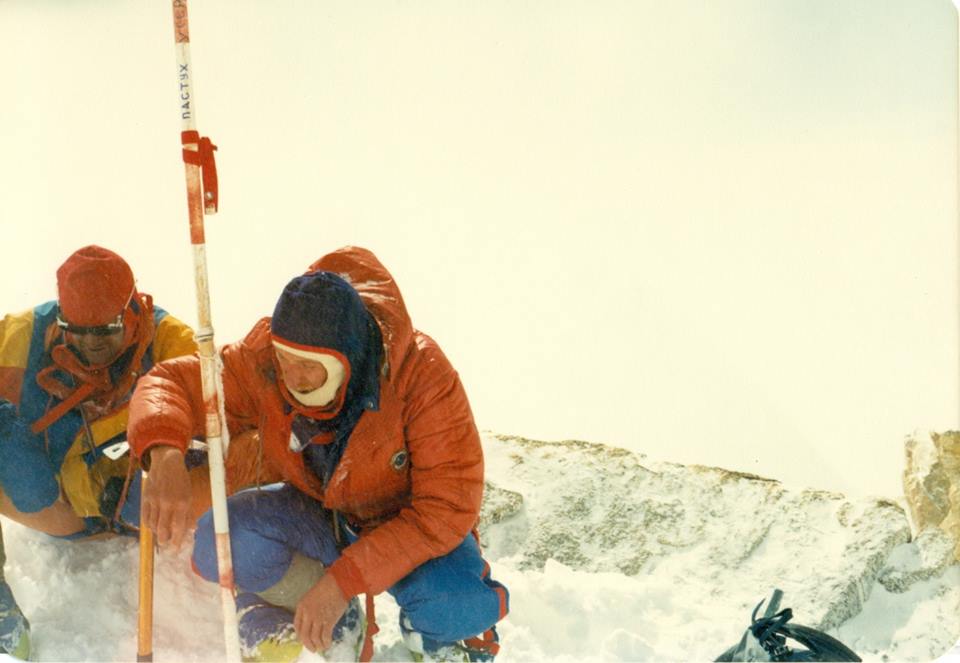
[68, 457]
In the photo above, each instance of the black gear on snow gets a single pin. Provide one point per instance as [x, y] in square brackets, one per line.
[767, 639]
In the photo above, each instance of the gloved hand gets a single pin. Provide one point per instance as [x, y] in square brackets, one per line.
[27, 476]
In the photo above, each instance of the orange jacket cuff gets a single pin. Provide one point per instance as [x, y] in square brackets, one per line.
[163, 439]
[348, 577]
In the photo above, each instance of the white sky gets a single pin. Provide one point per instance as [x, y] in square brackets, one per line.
[720, 232]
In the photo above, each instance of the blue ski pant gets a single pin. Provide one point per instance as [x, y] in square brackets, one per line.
[446, 599]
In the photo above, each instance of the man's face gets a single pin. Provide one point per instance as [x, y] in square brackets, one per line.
[300, 374]
[97, 349]
[98, 346]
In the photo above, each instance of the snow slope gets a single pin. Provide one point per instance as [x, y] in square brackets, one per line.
[609, 557]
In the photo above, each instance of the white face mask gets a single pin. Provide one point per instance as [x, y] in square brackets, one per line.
[324, 394]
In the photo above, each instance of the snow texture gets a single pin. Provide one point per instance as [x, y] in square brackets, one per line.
[609, 556]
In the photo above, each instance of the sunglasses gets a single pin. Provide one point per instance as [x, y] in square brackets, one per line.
[108, 329]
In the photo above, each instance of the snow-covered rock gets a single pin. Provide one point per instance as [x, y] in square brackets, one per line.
[928, 556]
[931, 481]
[597, 508]
[925, 481]
[726, 536]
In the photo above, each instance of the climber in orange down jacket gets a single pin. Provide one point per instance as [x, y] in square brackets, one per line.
[368, 424]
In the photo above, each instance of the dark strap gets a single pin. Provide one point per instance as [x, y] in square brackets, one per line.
[767, 631]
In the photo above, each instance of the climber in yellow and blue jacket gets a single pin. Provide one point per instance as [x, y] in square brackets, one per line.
[67, 370]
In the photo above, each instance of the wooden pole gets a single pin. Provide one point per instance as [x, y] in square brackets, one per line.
[145, 609]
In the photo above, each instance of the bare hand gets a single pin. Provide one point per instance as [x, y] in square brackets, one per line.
[166, 496]
[318, 612]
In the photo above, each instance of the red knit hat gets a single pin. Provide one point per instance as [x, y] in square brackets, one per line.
[94, 286]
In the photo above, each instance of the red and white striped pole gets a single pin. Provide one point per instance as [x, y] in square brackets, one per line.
[199, 164]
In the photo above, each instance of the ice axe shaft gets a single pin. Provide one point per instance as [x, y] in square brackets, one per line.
[145, 607]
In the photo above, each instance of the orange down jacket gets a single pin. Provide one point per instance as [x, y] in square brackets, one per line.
[407, 512]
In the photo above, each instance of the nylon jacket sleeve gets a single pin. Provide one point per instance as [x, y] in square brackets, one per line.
[446, 462]
[172, 338]
[15, 333]
[167, 404]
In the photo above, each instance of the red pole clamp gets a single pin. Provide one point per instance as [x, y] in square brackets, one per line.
[203, 157]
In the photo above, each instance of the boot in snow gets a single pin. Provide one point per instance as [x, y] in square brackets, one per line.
[473, 650]
[14, 627]
[267, 632]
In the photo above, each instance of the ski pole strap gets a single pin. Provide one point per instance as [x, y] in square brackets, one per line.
[203, 157]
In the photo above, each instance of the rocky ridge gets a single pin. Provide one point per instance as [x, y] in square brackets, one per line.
[603, 509]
